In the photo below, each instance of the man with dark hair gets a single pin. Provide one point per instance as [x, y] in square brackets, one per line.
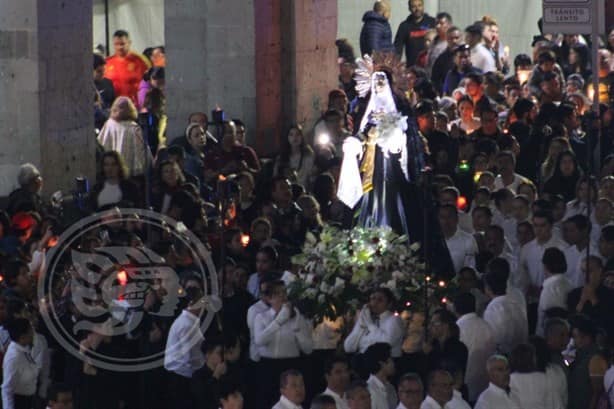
[546, 62]
[381, 369]
[437, 140]
[17, 280]
[104, 86]
[292, 389]
[481, 58]
[555, 288]
[358, 395]
[461, 245]
[230, 396]
[412, 32]
[19, 370]
[410, 391]
[505, 315]
[462, 67]
[337, 374]
[323, 402]
[125, 68]
[206, 380]
[440, 43]
[530, 261]
[586, 373]
[477, 335]
[606, 243]
[376, 34]
[59, 396]
[445, 61]
[576, 230]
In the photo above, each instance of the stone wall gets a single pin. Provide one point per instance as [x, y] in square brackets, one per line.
[46, 94]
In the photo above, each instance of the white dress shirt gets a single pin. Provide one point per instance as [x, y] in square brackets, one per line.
[608, 384]
[554, 294]
[508, 321]
[383, 396]
[285, 403]
[42, 357]
[479, 339]
[457, 401]
[518, 179]
[430, 403]
[462, 248]
[182, 355]
[530, 264]
[340, 401]
[482, 58]
[279, 336]
[530, 390]
[495, 398]
[557, 384]
[574, 257]
[252, 313]
[20, 374]
[389, 328]
[253, 285]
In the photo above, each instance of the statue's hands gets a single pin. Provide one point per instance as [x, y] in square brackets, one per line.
[352, 147]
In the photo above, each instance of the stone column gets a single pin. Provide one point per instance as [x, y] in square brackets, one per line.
[296, 64]
[46, 91]
[210, 48]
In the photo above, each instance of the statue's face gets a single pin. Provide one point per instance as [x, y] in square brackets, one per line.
[380, 83]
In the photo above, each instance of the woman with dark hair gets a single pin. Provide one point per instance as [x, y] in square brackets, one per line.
[169, 180]
[113, 187]
[295, 158]
[586, 191]
[565, 177]
[529, 387]
[579, 61]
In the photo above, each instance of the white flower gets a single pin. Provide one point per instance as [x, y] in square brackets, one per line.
[339, 283]
[321, 298]
[309, 279]
[415, 246]
[398, 275]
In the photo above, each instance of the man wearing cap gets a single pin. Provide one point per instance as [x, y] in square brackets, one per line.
[462, 67]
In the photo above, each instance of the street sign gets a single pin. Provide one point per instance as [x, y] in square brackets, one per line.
[573, 16]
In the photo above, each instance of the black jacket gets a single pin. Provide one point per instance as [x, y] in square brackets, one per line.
[411, 36]
[376, 34]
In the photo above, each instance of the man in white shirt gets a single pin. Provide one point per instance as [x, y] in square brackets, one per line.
[477, 335]
[504, 314]
[507, 178]
[576, 233]
[601, 218]
[59, 396]
[498, 246]
[441, 392]
[292, 388]
[530, 263]
[380, 365]
[281, 335]
[556, 286]
[481, 58]
[253, 311]
[19, 370]
[337, 376]
[183, 355]
[461, 245]
[358, 395]
[376, 323]
[497, 396]
[411, 391]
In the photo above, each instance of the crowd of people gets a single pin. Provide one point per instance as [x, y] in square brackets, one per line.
[523, 179]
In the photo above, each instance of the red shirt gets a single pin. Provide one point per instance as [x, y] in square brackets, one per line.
[126, 74]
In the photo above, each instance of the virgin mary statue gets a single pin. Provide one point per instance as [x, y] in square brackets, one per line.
[375, 170]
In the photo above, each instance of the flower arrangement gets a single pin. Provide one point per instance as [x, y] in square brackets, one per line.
[339, 270]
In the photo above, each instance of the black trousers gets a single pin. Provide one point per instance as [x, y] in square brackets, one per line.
[180, 391]
[23, 402]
